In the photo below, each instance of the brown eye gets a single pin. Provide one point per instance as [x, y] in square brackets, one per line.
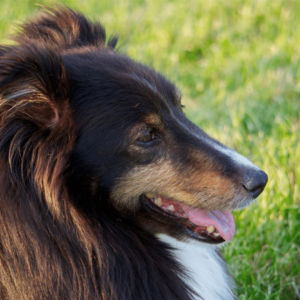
[147, 137]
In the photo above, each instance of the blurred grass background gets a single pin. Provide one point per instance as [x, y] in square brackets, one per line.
[237, 65]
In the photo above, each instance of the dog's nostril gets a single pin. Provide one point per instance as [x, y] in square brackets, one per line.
[256, 184]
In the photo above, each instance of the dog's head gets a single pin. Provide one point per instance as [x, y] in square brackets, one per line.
[110, 133]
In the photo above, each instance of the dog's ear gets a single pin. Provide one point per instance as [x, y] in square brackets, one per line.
[34, 86]
[65, 28]
[36, 129]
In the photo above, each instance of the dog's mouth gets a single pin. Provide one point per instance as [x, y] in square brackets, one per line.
[210, 226]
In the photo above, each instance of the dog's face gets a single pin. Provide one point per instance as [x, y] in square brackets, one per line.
[135, 156]
[156, 165]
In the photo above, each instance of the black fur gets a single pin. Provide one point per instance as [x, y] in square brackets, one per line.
[63, 92]
[85, 135]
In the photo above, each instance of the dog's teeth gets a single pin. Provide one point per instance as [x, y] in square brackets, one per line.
[158, 201]
[150, 196]
[216, 234]
[171, 208]
[210, 228]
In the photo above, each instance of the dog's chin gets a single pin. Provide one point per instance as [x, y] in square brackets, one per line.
[186, 222]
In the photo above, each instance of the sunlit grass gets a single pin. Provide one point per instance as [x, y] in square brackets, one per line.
[237, 64]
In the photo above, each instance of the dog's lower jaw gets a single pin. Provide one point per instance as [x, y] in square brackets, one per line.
[207, 273]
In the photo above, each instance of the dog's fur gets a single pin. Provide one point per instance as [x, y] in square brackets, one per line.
[85, 134]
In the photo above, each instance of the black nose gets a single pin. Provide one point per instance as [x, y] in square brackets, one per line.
[255, 182]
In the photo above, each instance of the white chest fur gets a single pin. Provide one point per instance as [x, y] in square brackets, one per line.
[208, 274]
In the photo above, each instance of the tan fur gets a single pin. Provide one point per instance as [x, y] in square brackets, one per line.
[152, 119]
[207, 190]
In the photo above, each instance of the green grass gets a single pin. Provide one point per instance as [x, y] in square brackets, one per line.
[237, 64]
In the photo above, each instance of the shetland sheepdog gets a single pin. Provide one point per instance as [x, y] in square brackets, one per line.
[107, 190]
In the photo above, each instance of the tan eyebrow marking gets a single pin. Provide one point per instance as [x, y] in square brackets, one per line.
[152, 119]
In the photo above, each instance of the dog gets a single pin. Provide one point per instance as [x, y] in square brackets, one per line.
[107, 190]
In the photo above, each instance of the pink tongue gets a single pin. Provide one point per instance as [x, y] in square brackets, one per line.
[223, 221]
